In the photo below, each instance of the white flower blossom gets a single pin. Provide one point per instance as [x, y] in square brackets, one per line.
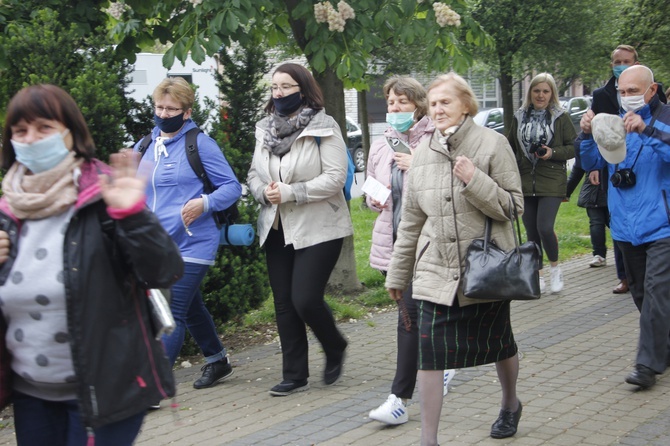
[195, 2]
[321, 11]
[346, 11]
[335, 21]
[445, 16]
[324, 12]
[116, 9]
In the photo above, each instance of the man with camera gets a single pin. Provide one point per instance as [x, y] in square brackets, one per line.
[636, 149]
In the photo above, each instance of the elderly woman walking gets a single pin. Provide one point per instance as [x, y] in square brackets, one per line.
[460, 176]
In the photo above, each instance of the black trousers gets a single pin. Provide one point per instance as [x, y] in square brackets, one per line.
[407, 361]
[648, 272]
[298, 280]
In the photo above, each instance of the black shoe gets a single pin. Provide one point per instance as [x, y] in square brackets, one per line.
[333, 370]
[214, 372]
[642, 376]
[506, 424]
[288, 387]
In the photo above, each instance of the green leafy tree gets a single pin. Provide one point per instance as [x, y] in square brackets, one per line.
[44, 50]
[564, 38]
[338, 41]
[646, 26]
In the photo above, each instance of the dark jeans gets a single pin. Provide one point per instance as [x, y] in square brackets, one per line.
[648, 271]
[598, 220]
[298, 279]
[539, 216]
[39, 422]
[408, 350]
[189, 311]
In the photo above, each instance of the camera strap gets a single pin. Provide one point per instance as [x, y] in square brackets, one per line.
[651, 124]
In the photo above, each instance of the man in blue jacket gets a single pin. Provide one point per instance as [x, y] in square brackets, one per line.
[640, 211]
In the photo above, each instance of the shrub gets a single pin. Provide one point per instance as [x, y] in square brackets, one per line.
[46, 51]
[238, 282]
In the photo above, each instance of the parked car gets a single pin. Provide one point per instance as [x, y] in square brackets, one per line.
[355, 145]
[576, 107]
[491, 118]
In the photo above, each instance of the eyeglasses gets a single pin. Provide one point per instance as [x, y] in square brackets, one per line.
[170, 110]
[282, 87]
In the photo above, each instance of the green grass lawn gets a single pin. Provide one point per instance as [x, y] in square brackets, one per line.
[572, 229]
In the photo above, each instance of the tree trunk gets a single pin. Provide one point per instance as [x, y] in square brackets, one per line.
[506, 85]
[343, 278]
[363, 120]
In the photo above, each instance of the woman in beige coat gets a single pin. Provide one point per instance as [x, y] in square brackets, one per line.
[460, 176]
[297, 175]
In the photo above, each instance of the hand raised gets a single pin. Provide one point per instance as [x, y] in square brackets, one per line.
[124, 188]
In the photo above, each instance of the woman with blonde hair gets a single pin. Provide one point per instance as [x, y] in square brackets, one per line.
[460, 176]
[177, 196]
[542, 136]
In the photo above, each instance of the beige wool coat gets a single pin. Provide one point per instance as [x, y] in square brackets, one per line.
[313, 208]
[441, 215]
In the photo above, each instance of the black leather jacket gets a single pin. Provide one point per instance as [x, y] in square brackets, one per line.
[120, 367]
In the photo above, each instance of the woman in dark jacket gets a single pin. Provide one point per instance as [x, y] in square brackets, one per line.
[79, 250]
[542, 136]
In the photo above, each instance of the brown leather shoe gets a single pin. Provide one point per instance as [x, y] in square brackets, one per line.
[622, 288]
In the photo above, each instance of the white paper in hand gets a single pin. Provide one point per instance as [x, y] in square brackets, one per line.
[376, 190]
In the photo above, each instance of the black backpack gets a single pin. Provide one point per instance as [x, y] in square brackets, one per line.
[222, 218]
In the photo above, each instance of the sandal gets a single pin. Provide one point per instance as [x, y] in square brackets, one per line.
[622, 288]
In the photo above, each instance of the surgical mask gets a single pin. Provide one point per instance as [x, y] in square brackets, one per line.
[400, 121]
[169, 125]
[42, 155]
[288, 104]
[633, 103]
[618, 69]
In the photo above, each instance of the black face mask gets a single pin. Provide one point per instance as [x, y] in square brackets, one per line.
[288, 104]
[169, 125]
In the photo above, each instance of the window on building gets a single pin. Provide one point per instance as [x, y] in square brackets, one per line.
[187, 77]
[139, 77]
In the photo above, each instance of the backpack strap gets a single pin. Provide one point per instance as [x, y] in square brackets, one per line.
[194, 160]
[144, 145]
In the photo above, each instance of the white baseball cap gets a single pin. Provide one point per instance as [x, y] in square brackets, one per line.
[610, 135]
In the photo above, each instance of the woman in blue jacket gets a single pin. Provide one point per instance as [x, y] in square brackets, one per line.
[177, 197]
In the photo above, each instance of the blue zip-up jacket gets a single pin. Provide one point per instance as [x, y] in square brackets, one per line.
[639, 214]
[172, 183]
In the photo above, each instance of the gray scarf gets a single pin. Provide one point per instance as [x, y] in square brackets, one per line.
[282, 130]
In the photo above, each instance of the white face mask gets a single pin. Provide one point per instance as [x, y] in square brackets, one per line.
[42, 155]
[634, 103]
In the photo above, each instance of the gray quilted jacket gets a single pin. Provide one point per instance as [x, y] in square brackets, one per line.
[441, 215]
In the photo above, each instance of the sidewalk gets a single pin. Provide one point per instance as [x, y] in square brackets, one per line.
[576, 348]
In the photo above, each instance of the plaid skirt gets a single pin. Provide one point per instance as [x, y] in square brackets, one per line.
[456, 337]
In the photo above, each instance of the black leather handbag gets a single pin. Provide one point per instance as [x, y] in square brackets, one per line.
[491, 273]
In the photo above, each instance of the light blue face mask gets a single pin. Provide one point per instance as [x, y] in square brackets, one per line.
[42, 155]
[401, 121]
[618, 69]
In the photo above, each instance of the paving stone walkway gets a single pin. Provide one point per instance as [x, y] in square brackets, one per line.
[576, 348]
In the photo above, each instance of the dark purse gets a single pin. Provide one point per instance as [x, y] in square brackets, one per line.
[491, 273]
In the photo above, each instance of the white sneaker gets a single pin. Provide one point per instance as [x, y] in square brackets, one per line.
[448, 376]
[393, 411]
[556, 279]
[543, 286]
[598, 261]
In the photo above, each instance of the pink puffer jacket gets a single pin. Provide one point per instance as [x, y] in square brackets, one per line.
[379, 165]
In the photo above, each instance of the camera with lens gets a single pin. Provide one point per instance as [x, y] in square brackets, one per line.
[623, 178]
[536, 146]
